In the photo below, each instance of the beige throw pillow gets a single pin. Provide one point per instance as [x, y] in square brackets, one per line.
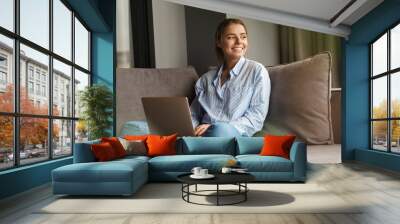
[134, 147]
[300, 100]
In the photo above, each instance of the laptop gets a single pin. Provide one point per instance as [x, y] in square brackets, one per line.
[168, 115]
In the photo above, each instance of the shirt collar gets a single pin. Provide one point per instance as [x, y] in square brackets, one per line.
[235, 70]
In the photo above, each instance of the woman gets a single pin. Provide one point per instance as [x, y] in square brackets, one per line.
[232, 100]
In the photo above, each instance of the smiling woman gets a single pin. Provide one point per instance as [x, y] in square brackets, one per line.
[231, 40]
[233, 99]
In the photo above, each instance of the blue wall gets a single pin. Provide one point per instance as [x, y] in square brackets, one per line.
[24, 178]
[103, 59]
[99, 15]
[104, 51]
[356, 99]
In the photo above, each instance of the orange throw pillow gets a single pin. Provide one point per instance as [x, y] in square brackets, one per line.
[161, 145]
[116, 145]
[277, 145]
[103, 151]
[136, 137]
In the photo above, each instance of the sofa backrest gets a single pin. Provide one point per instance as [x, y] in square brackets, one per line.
[209, 145]
[135, 83]
[184, 146]
[249, 145]
[300, 100]
[83, 153]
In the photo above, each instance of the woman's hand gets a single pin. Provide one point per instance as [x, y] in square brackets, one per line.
[199, 130]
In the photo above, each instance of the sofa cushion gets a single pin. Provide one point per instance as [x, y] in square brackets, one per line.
[300, 100]
[275, 145]
[257, 163]
[185, 163]
[83, 152]
[103, 152]
[131, 158]
[249, 145]
[134, 83]
[116, 145]
[111, 171]
[134, 147]
[136, 137]
[135, 128]
[161, 145]
[208, 145]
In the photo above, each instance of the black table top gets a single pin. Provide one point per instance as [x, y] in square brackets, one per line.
[220, 178]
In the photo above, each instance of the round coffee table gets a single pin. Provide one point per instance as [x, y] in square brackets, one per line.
[238, 179]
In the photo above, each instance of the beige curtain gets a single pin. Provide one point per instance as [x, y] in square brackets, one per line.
[297, 44]
[124, 35]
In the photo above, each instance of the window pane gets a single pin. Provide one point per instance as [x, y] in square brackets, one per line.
[62, 29]
[395, 94]
[7, 14]
[379, 100]
[34, 72]
[81, 81]
[81, 45]
[379, 55]
[35, 21]
[6, 142]
[395, 136]
[62, 89]
[395, 47]
[6, 74]
[81, 131]
[379, 135]
[62, 138]
[33, 140]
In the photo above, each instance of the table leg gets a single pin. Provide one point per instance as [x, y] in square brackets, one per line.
[188, 190]
[245, 193]
[182, 188]
[196, 188]
[217, 194]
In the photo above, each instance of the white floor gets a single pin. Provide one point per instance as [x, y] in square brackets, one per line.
[377, 189]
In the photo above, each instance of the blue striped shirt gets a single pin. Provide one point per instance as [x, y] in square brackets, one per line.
[241, 101]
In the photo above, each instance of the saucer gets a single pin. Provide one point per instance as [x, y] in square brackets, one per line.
[208, 176]
[240, 171]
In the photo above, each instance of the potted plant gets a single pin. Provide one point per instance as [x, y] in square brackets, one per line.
[96, 102]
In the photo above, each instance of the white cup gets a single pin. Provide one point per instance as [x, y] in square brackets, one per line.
[203, 172]
[196, 170]
[226, 170]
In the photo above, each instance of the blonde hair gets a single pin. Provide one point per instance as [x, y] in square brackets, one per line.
[220, 31]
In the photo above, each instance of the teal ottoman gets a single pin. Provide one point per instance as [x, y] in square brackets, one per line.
[118, 177]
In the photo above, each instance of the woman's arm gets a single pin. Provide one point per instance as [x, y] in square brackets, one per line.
[195, 107]
[253, 119]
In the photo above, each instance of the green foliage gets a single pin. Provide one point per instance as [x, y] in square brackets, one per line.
[96, 102]
[380, 127]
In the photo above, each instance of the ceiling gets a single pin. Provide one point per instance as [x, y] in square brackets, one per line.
[326, 16]
[320, 9]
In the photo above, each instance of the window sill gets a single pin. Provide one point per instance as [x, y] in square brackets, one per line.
[385, 160]
[26, 167]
